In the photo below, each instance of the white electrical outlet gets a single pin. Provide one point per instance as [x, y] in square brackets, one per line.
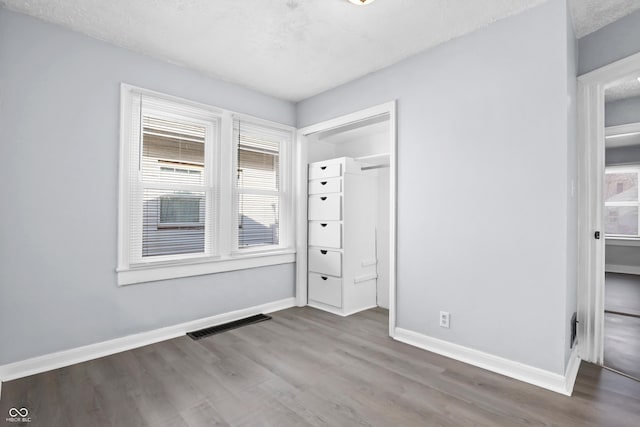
[444, 319]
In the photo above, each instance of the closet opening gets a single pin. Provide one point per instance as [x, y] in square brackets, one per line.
[346, 201]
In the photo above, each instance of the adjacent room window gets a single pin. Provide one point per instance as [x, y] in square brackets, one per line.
[193, 193]
[258, 193]
[622, 202]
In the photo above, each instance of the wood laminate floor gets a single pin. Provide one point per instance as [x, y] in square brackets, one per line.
[308, 367]
[622, 323]
[622, 344]
[622, 293]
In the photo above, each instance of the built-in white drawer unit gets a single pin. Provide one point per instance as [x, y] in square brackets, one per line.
[322, 186]
[325, 289]
[329, 170]
[325, 208]
[324, 261]
[325, 234]
[341, 236]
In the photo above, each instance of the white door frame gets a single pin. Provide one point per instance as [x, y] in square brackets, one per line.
[591, 151]
[301, 161]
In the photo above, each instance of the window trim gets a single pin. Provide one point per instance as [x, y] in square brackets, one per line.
[611, 238]
[224, 256]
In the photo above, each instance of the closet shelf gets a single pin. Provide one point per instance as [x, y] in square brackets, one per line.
[374, 160]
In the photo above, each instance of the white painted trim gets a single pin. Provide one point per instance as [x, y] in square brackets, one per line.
[591, 150]
[619, 268]
[301, 195]
[301, 156]
[393, 208]
[64, 358]
[539, 377]
[622, 241]
[571, 371]
[350, 118]
[239, 262]
[621, 130]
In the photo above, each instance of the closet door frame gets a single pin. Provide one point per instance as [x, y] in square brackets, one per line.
[300, 189]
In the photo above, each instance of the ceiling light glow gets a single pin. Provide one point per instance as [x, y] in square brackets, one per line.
[361, 2]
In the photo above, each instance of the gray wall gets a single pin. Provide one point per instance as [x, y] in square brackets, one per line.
[482, 145]
[622, 112]
[627, 256]
[622, 155]
[610, 43]
[59, 113]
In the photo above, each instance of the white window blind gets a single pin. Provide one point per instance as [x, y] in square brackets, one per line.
[259, 194]
[172, 194]
[622, 201]
[202, 189]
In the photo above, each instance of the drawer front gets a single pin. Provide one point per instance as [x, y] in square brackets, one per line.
[325, 234]
[325, 262]
[320, 170]
[325, 208]
[320, 186]
[325, 289]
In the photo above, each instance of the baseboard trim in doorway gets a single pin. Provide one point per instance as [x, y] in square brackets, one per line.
[562, 384]
[64, 358]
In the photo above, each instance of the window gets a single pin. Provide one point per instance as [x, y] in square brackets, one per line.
[184, 210]
[175, 201]
[258, 193]
[622, 202]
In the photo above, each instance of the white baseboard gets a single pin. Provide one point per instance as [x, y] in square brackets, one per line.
[626, 269]
[64, 358]
[549, 380]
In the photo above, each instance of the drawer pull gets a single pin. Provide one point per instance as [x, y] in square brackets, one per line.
[323, 182]
[323, 225]
[323, 252]
[323, 167]
[323, 198]
[324, 277]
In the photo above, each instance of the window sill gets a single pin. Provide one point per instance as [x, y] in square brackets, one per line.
[155, 272]
[622, 241]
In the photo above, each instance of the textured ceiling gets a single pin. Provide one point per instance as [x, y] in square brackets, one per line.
[591, 15]
[292, 49]
[623, 90]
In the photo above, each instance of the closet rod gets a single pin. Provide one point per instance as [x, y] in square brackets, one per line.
[366, 168]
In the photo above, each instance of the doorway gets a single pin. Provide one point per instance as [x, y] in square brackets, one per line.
[621, 347]
[609, 218]
[368, 139]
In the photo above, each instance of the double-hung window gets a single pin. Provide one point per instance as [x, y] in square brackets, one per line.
[202, 189]
[622, 201]
[260, 196]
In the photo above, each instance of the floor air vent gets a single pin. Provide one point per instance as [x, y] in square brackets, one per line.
[203, 333]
